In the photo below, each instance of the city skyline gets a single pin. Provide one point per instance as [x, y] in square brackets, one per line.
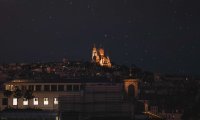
[158, 36]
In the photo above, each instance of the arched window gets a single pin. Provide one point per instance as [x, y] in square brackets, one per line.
[131, 91]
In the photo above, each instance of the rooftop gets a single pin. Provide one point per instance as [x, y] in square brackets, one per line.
[73, 80]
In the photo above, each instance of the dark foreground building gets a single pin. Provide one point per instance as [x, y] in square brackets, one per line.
[71, 99]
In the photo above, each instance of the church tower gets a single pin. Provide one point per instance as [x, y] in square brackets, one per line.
[131, 86]
[98, 56]
[108, 62]
[95, 56]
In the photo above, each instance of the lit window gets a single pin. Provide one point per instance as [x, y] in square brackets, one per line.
[25, 101]
[57, 118]
[55, 101]
[10, 87]
[35, 101]
[46, 101]
[14, 101]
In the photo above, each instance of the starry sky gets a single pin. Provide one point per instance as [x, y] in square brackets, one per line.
[156, 35]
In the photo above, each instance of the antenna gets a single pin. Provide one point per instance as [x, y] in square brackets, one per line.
[130, 72]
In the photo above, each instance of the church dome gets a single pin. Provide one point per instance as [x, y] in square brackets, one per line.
[101, 51]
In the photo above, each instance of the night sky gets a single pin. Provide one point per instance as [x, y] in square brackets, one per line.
[156, 35]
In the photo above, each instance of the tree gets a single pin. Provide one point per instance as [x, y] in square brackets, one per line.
[17, 94]
[7, 93]
[28, 95]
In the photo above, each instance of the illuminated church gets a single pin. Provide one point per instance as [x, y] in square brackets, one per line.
[99, 57]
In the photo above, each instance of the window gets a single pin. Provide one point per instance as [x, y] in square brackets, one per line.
[38, 87]
[25, 101]
[46, 87]
[69, 87]
[10, 87]
[31, 87]
[16, 87]
[55, 101]
[14, 101]
[4, 101]
[23, 87]
[76, 88]
[35, 101]
[53, 87]
[60, 87]
[46, 101]
[82, 87]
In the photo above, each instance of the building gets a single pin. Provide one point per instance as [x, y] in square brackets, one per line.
[91, 97]
[28, 115]
[98, 56]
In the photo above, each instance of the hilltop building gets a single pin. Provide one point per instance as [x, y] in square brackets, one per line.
[98, 56]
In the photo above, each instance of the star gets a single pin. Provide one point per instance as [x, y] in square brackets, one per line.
[129, 21]
[141, 59]
[33, 19]
[143, 32]
[70, 2]
[175, 12]
[146, 51]
[88, 6]
[126, 36]
[105, 35]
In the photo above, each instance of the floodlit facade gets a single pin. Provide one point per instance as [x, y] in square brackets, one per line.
[98, 56]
